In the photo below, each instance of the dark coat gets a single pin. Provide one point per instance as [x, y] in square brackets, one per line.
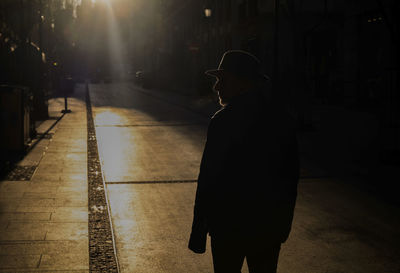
[247, 185]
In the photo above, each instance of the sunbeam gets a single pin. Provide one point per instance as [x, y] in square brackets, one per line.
[114, 42]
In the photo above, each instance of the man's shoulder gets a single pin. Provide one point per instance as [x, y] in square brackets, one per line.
[224, 120]
[222, 114]
[217, 114]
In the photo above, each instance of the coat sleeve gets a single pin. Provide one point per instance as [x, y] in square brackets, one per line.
[209, 171]
[288, 192]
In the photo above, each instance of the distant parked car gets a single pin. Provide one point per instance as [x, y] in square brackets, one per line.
[138, 76]
[143, 78]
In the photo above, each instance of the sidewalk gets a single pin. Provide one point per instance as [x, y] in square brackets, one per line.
[44, 221]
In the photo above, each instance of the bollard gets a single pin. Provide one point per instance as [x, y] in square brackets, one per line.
[68, 84]
[65, 110]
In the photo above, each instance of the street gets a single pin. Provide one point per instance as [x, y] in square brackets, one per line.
[150, 152]
[104, 112]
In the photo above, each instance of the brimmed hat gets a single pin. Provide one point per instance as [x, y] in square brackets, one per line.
[239, 63]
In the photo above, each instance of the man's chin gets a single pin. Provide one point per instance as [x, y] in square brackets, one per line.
[223, 102]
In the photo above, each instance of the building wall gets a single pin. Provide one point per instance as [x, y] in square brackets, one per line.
[327, 51]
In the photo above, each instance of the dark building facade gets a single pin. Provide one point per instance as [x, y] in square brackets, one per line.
[335, 63]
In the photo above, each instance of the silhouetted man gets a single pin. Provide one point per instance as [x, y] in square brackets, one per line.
[247, 185]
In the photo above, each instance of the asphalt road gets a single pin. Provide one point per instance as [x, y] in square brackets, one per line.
[150, 152]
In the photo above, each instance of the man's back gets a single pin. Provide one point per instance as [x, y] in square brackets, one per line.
[250, 169]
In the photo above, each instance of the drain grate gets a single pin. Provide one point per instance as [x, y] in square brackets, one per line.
[102, 255]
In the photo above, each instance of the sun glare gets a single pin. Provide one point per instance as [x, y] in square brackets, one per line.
[108, 117]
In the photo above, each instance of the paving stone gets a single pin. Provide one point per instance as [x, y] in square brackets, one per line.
[9, 205]
[11, 194]
[78, 194]
[65, 261]
[25, 216]
[75, 201]
[39, 195]
[58, 154]
[66, 148]
[19, 261]
[53, 202]
[75, 195]
[51, 162]
[83, 188]
[62, 171]
[70, 214]
[39, 202]
[67, 231]
[34, 209]
[44, 247]
[36, 188]
[65, 177]
[75, 167]
[23, 231]
[4, 224]
[68, 157]
[8, 186]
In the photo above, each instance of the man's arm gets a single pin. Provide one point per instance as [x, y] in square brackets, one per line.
[210, 168]
[288, 191]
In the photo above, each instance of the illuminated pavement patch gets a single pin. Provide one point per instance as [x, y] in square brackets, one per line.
[150, 153]
[152, 224]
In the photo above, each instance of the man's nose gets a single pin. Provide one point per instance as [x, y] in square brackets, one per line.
[217, 86]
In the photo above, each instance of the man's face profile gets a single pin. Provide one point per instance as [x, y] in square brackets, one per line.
[227, 87]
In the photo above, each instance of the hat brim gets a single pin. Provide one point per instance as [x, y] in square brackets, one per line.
[215, 72]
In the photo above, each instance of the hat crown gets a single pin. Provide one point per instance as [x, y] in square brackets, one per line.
[240, 62]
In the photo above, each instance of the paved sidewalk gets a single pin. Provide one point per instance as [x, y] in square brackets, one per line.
[44, 221]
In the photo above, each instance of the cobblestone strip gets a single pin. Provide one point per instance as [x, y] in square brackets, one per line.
[153, 182]
[102, 255]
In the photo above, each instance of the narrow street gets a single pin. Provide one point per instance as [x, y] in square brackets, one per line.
[150, 152]
[104, 112]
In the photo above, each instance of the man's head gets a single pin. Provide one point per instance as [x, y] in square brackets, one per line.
[237, 73]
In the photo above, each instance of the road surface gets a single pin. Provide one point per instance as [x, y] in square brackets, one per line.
[150, 150]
